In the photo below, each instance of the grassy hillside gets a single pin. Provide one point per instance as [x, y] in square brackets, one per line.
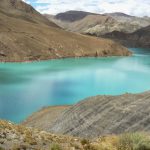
[16, 137]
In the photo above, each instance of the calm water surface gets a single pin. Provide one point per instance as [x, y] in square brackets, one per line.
[26, 87]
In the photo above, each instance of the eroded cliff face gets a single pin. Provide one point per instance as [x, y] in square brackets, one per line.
[26, 35]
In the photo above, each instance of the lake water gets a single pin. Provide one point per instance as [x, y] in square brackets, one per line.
[26, 87]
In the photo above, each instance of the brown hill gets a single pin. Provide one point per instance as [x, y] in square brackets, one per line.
[27, 35]
[19, 9]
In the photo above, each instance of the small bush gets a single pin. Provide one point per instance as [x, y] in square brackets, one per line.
[107, 143]
[55, 147]
[134, 141]
[84, 141]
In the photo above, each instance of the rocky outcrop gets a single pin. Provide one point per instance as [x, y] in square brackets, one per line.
[26, 35]
[16, 137]
[140, 38]
[102, 115]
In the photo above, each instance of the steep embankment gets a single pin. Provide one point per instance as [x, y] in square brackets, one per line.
[139, 38]
[101, 115]
[27, 35]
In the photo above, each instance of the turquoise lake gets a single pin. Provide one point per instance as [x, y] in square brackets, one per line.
[27, 87]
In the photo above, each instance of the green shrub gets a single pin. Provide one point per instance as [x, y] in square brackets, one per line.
[84, 141]
[134, 141]
[55, 147]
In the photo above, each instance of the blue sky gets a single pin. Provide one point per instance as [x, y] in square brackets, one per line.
[131, 7]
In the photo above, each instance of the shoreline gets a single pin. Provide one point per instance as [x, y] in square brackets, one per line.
[59, 58]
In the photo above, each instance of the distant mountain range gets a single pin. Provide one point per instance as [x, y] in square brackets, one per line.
[26, 35]
[102, 24]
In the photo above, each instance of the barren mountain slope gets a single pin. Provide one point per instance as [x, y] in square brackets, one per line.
[26, 35]
[19, 9]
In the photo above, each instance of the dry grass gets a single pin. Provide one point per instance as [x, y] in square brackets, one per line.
[134, 141]
[17, 136]
[127, 141]
[56, 147]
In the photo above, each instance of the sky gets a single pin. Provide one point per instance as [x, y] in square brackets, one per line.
[131, 7]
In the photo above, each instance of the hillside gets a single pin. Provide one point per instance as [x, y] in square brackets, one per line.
[139, 38]
[26, 35]
[20, 10]
[102, 115]
[16, 137]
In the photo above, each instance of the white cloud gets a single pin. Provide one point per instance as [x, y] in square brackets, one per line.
[132, 7]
